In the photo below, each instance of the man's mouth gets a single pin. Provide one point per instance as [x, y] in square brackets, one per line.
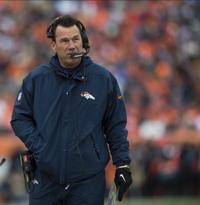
[69, 55]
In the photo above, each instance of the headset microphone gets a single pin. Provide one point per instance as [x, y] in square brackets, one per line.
[77, 55]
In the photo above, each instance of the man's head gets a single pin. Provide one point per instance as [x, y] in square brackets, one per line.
[68, 37]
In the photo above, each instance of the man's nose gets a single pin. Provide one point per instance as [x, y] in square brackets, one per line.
[71, 44]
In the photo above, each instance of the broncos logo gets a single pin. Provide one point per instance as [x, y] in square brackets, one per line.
[87, 95]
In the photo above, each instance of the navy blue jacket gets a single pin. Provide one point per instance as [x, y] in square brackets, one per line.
[69, 121]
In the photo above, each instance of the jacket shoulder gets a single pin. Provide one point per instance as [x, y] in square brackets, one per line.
[38, 73]
[41, 70]
[100, 71]
[103, 77]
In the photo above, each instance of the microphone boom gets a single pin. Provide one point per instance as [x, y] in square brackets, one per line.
[77, 55]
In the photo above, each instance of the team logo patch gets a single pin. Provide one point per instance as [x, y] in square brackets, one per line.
[87, 95]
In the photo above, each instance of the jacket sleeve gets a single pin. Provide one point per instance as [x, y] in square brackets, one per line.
[115, 120]
[22, 121]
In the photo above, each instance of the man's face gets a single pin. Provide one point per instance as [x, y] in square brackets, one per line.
[67, 41]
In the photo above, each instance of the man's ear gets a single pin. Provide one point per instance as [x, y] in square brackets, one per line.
[53, 45]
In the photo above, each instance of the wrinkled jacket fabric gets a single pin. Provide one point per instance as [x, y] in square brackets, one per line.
[68, 122]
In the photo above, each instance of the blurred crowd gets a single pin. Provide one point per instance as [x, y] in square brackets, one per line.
[152, 47]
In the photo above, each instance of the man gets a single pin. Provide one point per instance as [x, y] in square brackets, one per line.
[67, 113]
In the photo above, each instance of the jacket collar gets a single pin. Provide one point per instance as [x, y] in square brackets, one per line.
[80, 70]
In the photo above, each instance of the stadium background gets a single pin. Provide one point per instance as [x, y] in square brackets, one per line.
[152, 47]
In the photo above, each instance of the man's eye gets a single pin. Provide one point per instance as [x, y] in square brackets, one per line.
[65, 40]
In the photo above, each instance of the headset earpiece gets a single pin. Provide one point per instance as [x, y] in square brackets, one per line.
[83, 35]
[49, 31]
